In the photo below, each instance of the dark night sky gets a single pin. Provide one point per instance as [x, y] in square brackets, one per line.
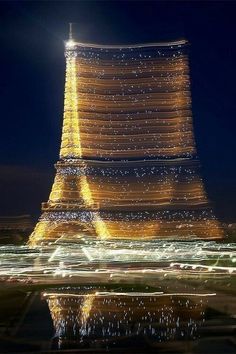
[32, 84]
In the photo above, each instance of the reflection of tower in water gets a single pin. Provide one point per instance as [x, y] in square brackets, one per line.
[83, 319]
[128, 166]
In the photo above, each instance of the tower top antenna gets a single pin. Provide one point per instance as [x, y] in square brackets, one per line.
[71, 30]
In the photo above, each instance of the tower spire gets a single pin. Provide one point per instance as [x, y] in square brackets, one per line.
[71, 31]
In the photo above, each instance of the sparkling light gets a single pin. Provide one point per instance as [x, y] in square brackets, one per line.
[128, 167]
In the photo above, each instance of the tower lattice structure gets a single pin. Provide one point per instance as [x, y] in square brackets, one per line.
[80, 318]
[128, 167]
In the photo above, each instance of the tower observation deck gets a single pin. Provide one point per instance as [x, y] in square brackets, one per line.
[128, 167]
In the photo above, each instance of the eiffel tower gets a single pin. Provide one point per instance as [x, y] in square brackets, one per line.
[128, 167]
[81, 317]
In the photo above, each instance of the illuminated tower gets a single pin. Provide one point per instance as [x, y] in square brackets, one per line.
[82, 319]
[128, 166]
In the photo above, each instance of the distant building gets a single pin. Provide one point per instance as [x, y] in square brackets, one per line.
[15, 229]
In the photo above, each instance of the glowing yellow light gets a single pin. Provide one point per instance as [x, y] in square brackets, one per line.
[86, 308]
[128, 167]
[85, 191]
[101, 227]
[70, 43]
[71, 144]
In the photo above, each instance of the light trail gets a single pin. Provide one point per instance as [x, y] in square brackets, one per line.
[72, 43]
[132, 294]
[93, 260]
[201, 266]
[54, 254]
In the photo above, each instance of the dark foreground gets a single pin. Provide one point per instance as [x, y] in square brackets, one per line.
[62, 300]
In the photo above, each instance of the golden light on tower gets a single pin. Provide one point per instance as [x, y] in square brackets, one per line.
[103, 317]
[128, 166]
